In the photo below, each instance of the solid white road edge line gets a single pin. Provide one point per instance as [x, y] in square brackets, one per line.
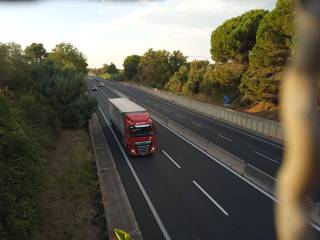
[217, 122]
[264, 156]
[152, 208]
[171, 159]
[197, 124]
[315, 226]
[218, 161]
[211, 199]
[225, 138]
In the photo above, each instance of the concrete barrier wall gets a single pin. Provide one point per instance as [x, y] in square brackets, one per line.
[117, 208]
[265, 127]
[249, 172]
[260, 178]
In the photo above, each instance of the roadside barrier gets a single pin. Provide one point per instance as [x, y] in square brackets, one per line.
[117, 208]
[256, 125]
[259, 178]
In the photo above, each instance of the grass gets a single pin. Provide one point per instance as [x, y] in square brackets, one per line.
[68, 202]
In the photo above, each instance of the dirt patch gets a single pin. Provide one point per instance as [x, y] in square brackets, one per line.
[264, 110]
[70, 202]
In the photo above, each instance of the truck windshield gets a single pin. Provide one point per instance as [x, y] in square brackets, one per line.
[141, 132]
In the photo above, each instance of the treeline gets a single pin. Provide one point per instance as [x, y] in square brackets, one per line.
[108, 71]
[40, 93]
[249, 54]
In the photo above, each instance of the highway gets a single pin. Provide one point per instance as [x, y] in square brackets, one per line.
[181, 193]
[262, 153]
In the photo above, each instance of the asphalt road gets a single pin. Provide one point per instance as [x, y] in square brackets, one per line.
[262, 153]
[181, 193]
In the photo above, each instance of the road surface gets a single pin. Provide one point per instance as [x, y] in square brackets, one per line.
[181, 193]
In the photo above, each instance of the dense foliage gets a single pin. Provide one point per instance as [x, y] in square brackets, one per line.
[197, 71]
[156, 67]
[222, 79]
[130, 66]
[249, 54]
[37, 96]
[235, 38]
[68, 56]
[270, 54]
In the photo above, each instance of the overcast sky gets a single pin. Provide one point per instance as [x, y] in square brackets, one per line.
[109, 31]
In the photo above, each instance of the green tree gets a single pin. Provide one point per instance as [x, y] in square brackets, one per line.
[195, 77]
[130, 65]
[14, 68]
[68, 56]
[154, 68]
[176, 60]
[112, 69]
[235, 38]
[22, 168]
[222, 79]
[178, 80]
[270, 54]
[64, 89]
[35, 52]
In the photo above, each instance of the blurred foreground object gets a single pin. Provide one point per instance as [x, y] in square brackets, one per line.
[121, 235]
[299, 174]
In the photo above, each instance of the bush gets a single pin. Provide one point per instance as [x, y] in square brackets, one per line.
[22, 169]
[222, 79]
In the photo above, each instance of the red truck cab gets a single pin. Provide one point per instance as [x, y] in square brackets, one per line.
[135, 126]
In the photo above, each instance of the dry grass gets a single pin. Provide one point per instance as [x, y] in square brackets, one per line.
[68, 202]
[265, 110]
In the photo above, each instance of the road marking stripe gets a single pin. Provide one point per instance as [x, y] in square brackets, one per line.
[179, 116]
[215, 121]
[219, 162]
[225, 138]
[197, 124]
[211, 199]
[264, 156]
[171, 159]
[152, 208]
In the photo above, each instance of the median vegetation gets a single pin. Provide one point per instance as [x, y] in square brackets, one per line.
[41, 94]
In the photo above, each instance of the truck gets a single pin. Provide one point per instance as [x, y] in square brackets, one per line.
[135, 126]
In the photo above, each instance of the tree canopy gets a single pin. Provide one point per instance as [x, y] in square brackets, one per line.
[270, 54]
[36, 52]
[156, 67]
[70, 57]
[37, 97]
[195, 77]
[130, 65]
[234, 39]
[112, 69]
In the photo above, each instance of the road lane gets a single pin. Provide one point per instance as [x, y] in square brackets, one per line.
[244, 146]
[185, 212]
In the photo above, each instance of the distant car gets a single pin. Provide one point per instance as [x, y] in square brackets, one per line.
[100, 84]
[94, 89]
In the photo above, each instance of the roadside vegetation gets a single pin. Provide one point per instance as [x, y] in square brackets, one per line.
[41, 95]
[249, 53]
[108, 72]
[71, 189]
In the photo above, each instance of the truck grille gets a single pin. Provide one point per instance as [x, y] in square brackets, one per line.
[142, 147]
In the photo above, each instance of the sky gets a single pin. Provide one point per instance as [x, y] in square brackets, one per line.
[108, 31]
